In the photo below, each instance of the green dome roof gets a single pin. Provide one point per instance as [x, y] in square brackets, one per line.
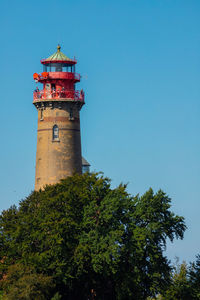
[58, 56]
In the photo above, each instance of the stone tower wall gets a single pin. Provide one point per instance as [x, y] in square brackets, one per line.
[57, 158]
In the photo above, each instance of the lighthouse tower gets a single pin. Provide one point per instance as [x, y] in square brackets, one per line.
[58, 104]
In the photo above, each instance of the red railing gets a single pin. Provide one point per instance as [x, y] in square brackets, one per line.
[74, 95]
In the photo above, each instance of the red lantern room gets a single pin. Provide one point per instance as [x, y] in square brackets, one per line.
[58, 78]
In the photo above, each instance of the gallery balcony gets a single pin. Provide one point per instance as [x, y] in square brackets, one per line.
[61, 95]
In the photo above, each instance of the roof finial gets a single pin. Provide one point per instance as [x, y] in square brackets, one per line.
[58, 47]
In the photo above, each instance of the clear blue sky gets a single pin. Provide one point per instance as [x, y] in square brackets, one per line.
[140, 62]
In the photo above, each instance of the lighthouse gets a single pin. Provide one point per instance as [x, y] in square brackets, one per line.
[58, 104]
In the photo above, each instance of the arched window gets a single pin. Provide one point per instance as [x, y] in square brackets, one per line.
[55, 133]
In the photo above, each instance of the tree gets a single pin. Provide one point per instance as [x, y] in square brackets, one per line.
[180, 286]
[22, 283]
[194, 274]
[185, 282]
[94, 241]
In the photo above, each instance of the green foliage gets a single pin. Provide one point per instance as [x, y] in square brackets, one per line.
[194, 274]
[1, 295]
[185, 282]
[180, 288]
[57, 296]
[23, 283]
[91, 239]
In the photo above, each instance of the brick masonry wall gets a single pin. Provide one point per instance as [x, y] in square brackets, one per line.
[59, 158]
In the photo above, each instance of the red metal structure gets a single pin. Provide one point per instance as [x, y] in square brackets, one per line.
[58, 79]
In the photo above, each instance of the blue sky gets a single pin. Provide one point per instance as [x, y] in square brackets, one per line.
[140, 67]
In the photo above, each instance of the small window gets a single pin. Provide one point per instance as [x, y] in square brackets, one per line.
[55, 133]
[85, 169]
[71, 115]
[41, 115]
[58, 68]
